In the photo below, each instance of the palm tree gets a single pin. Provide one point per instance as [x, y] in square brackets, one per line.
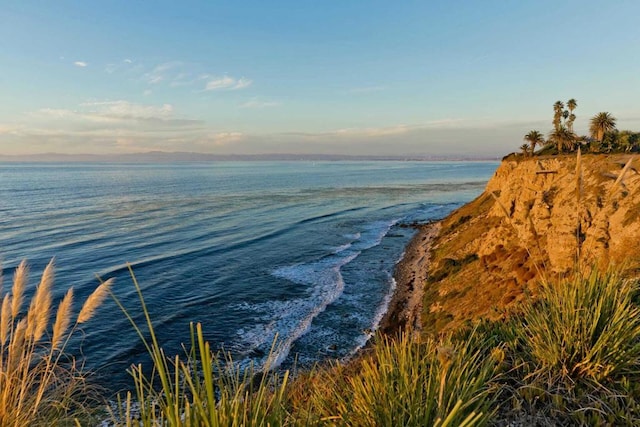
[558, 108]
[563, 138]
[525, 149]
[572, 118]
[571, 105]
[602, 123]
[534, 138]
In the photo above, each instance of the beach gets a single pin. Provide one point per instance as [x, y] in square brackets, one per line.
[405, 308]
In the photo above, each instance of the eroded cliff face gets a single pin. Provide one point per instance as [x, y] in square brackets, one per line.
[538, 218]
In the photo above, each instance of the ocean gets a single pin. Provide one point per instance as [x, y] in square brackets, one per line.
[300, 254]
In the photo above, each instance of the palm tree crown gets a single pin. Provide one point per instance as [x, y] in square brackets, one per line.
[563, 138]
[558, 109]
[534, 138]
[602, 123]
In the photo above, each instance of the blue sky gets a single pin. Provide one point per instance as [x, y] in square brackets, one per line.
[349, 77]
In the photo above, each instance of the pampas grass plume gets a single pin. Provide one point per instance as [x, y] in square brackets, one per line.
[19, 283]
[5, 319]
[40, 308]
[63, 318]
[94, 300]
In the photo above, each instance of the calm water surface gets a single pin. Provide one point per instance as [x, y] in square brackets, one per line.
[301, 251]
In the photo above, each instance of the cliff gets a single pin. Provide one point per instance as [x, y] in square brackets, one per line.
[538, 219]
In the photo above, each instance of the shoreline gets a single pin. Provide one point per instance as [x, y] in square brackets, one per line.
[405, 308]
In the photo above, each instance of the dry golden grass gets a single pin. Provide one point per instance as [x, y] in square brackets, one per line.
[36, 386]
[94, 301]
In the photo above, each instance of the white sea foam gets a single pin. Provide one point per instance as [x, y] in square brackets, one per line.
[287, 321]
[342, 248]
[362, 340]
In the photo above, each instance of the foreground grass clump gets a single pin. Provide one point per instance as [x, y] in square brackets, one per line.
[200, 389]
[408, 383]
[39, 384]
[585, 329]
[576, 352]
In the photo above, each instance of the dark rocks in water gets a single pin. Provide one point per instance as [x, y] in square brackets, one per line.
[414, 224]
[332, 347]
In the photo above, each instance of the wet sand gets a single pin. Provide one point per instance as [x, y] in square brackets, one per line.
[410, 274]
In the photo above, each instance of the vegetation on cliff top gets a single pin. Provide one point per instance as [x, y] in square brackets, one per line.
[603, 136]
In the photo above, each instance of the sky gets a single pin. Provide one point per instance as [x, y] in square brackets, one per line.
[348, 77]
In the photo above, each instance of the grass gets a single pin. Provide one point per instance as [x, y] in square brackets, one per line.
[409, 383]
[201, 388]
[578, 347]
[572, 357]
[39, 384]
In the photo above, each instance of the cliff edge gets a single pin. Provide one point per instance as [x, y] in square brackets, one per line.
[538, 219]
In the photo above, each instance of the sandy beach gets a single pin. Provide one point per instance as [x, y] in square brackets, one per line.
[410, 274]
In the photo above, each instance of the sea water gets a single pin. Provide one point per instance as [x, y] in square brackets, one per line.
[297, 257]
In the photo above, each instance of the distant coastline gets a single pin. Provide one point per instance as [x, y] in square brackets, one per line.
[191, 157]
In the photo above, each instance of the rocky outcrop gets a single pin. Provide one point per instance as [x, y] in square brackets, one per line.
[538, 219]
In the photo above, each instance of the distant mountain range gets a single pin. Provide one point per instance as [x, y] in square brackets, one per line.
[168, 157]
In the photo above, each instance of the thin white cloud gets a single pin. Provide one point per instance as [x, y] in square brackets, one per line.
[80, 64]
[121, 66]
[155, 79]
[228, 83]
[373, 132]
[242, 83]
[128, 110]
[256, 103]
[8, 130]
[114, 113]
[162, 72]
[225, 138]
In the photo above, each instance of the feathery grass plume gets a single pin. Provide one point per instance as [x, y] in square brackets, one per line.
[5, 319]
[40, 386]
[40, 307]
[515, 230]
[17, 291]
[16, 346]
[578, 207]
[623, 172]
[93, 302]
[579, 175]
[502, 208]
[63, 319]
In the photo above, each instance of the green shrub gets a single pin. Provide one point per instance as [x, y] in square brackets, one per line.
[411, 384]
[586, 328]
[579, 346]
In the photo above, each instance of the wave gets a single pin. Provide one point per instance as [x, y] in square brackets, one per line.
[284, 322]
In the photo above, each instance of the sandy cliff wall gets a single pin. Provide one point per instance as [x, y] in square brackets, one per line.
[538, 217]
